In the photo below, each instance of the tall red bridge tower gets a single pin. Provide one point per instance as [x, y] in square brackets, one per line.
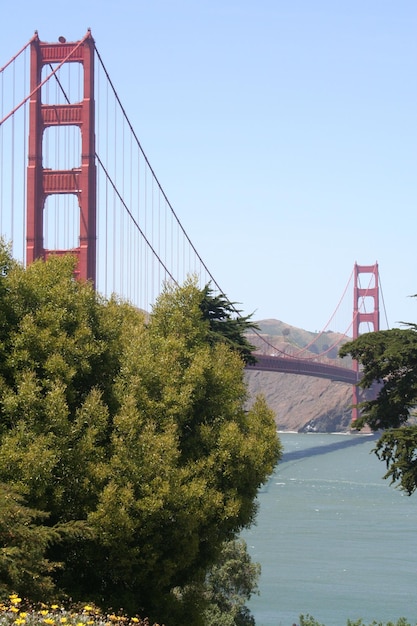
[359, 317]
[80, 180]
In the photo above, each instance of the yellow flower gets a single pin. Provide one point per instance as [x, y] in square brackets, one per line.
[80, 623]
[134, 619]
[14, 609]
[44, 612]
[19, 621]
[54, 606]
[63, 620]
[88, 608]
[48, 620]
[14, 599]
[22, 613]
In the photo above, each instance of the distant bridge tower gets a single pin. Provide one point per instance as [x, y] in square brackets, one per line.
[360, 296]
[80, 180]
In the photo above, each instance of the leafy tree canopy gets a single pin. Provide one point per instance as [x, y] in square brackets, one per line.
[226, 323]
[389, 361]
[231, 582]
[126, 443]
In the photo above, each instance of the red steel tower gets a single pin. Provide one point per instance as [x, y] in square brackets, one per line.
[80, 180]
[359, 316]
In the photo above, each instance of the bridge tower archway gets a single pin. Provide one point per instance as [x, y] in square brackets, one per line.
[79, 181]
[360, 316]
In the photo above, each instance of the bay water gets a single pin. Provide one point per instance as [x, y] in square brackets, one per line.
[333, 538]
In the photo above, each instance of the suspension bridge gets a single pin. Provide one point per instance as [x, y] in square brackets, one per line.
[75, 179]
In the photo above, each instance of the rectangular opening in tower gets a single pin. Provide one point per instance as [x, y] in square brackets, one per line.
[66, 86]
[61, 222]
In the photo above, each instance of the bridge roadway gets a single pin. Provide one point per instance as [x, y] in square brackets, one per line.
[304, 367]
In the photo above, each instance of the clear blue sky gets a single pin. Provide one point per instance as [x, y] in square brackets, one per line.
[284, 134]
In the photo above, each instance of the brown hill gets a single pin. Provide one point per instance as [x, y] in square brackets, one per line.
[301, 403]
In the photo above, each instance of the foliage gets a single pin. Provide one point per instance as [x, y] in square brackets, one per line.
[398, 448]
[23, 541]
[308, 620]
[389, 360]
[15, 611]
[226, 324]
[130, 436]
[230, 584]
[400, 622]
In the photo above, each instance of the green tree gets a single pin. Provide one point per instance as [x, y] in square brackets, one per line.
[226, 323]
[23, 543]
[24, 540]
[389, 361]
[231, 582]
[131, 436]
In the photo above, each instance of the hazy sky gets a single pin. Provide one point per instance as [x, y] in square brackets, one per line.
[284, 134]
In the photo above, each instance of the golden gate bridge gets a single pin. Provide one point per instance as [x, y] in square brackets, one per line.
[75, 179]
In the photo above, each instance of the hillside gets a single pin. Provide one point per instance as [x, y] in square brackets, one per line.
[301, 403]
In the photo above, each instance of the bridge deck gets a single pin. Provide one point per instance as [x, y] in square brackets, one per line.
[304, 367]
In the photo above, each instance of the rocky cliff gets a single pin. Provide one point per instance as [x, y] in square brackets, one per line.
[301, 403]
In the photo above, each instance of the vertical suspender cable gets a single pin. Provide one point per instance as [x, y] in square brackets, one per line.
[145, 222]
[25, 151]
[106, 255]
[138, 253]
[159, 234]
[130, 247]
[174, 215]
[12, 207]
[383, 301]
[114, 200]
[121, 218]
[97, 100]
[1, 151]
[153, 241]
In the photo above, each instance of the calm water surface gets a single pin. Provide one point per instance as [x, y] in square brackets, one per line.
[333, 538]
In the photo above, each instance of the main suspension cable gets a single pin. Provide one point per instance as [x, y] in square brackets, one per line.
[19, 53]
[41, 84]
[154, 175]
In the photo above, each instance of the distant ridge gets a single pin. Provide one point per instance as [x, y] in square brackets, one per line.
[300, 403]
